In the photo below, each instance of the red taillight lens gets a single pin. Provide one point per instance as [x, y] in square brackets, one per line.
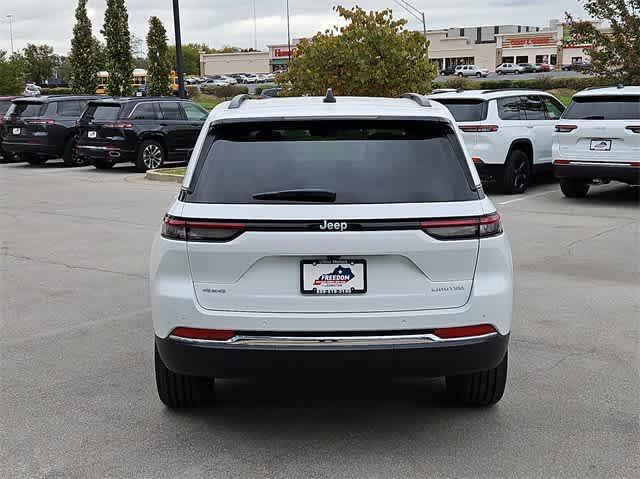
[479, 128]
[119, 124]
[476, 160]
[464, 331]
[565, 128]
[198, 230]
[39, 121]
[463, 228]
[561, 162]
[207, 334]
[635, 164]
[634, 128]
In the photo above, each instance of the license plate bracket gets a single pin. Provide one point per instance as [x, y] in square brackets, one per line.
[333, 277]
[16, 131]
[91, 134]
[600, 144]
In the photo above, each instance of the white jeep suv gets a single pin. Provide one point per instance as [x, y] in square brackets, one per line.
[344, 234]
[598, 140]
[507, 132]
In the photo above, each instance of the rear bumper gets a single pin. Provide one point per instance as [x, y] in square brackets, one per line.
[110, 153]
[41, 148]
[430, 359]
[588, 171]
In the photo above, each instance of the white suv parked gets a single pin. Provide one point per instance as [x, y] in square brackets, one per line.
[331, 234]
[598, 140]
[471, 71]
[507, 132]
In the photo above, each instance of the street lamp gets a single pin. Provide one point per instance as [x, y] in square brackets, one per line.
[11, 17]
[288, 35]
[179, 59]
[415, 13]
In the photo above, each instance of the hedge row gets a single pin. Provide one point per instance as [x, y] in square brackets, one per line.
[224, 91]
[56, 91]
[542, 83]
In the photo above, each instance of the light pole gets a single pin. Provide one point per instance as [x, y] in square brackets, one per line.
[179, 59]
[255, 29]
[10, 17]
[415, 13]
[288, 36]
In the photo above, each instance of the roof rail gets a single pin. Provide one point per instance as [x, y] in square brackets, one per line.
[484, 92]
[619, 86]
[236, 101]
[418, 98]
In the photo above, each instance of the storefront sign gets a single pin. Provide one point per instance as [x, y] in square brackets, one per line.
[537, 41]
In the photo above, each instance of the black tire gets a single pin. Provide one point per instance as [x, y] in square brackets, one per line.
[517, 173]
[483, 388]
[478, 75]
[103, 164]
[517, 72]
[574, 188]
[156, 159]
[499, 72]
[460, 75]
[178, 391]
[34, 159]
[70, 153]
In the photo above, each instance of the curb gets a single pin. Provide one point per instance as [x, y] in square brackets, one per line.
[156, 175]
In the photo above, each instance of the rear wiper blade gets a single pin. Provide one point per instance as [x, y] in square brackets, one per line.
[593, 117]
[306, 194]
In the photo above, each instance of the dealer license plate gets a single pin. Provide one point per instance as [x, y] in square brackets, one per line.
[348, 276]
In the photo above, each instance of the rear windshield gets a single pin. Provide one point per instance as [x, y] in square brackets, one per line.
[361, 162]
[465, 110]
[4, 106]
[614, 107]
[26, 109]
[102, 112]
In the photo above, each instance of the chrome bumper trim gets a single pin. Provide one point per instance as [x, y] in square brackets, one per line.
[276, 341]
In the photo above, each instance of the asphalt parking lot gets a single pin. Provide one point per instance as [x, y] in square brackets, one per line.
[77, 387]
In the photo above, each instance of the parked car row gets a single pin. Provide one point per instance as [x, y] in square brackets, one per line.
[502, 69]
[232, 79]
[512, 134]
[146, 131]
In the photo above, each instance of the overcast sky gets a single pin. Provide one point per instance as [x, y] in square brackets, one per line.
[230, 22]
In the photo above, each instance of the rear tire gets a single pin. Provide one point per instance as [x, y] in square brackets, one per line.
[151, 155]
[478, 75]
[482, 388]
[70, 154]
[574, 188]
[179, 391]
[34, 159]
[103, 164]
[517, 173]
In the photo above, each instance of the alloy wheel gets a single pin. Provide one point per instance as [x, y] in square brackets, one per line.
[152, 156]
[521, 175]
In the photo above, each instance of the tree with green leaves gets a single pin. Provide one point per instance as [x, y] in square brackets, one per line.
[38, 62]
[118, 50]
[100, 54]
[82, 57]
[372, 55]
[614, 50]
[11, 75]
[157, 59]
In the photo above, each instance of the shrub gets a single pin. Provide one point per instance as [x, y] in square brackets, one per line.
[459, 83]
[192, 90]
[56, 91]
[225, 91]
[543, 82]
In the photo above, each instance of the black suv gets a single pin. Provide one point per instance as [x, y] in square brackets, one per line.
[146, 131]
[42, 128]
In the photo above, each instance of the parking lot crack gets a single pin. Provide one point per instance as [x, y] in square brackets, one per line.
[74, 266]
[571, 245]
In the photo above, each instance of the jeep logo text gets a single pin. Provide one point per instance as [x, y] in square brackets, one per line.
[334, 226]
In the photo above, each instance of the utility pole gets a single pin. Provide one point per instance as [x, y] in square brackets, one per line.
[417, 14]
[288, 35]
[255, 29]
[10, 17]
[179, 59]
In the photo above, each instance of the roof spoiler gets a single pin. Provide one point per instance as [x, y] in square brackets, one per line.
[418, 98]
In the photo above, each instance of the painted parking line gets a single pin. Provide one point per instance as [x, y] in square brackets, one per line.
[526, 197]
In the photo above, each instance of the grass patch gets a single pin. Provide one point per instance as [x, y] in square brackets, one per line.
[208, 101]
[179, 171]
[563, 94]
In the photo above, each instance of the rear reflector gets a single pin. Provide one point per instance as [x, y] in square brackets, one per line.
[634, 128]
[464, 331]
[199, 230]
[463, 228]
[479, 128]
[565, 128]
[561, 162]
[207, 334]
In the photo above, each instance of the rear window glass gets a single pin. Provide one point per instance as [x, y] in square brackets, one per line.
[102, 112]
[466, 110]
[73, 108]
[4, 106]
[26, 109]
[614, 107]
[361, 162]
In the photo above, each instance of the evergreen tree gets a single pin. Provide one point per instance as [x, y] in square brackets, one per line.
[118, 50]
[158, 59]
[82, 58]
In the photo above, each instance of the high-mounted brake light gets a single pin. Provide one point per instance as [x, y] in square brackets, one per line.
[479, 128]
[207, 334]
[634, 128]
[463, 228]
[200, 230]
[39, 121]
[565, 128]
[464, 331]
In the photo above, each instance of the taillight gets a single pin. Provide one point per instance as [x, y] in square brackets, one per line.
[476, 160]
[200, 230]
[464, 331]
[561, 162]
[565, 128]
[634, 128]
[463, 228]
[207, 334]
[479, 128]
[39, 121]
